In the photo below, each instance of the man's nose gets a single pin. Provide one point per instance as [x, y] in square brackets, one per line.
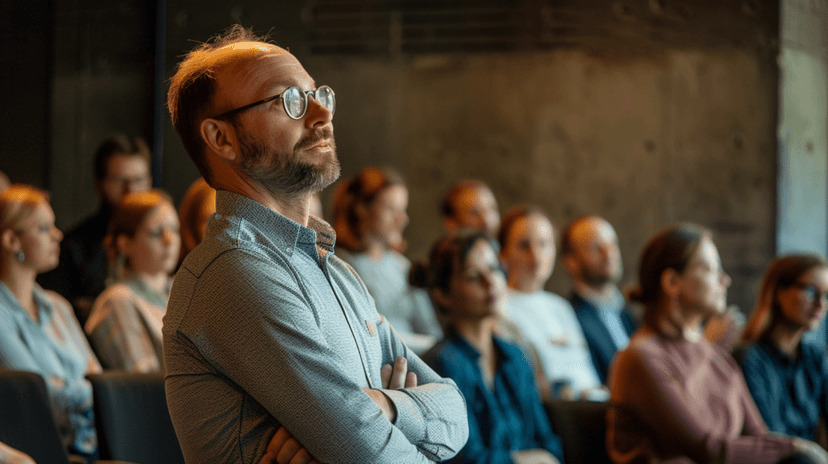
[317, 114]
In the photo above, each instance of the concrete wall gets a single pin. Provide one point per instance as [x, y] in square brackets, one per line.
[680, 128]
[803, 126]
[647, 112]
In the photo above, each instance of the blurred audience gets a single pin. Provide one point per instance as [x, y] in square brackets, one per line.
[470, 205]
[198, 204]
[507, 422]
[39, 332]
[589, 248]
[126, 319]
[121, 166]
[546, 321]
[369, 218]
[787, 378]
[675, 396]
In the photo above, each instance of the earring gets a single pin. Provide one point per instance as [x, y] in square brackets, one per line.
[21, 256]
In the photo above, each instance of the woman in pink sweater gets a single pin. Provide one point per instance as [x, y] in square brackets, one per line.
[675, 397]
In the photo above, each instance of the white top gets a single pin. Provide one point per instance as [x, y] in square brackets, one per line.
[408, 309]
[548, 323]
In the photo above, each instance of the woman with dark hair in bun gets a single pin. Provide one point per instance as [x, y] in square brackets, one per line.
[676, 397]
[507, 423]
[369, 216]
[788, 378]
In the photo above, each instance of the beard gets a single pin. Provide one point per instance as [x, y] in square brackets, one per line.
[600, 277]
[286, 175]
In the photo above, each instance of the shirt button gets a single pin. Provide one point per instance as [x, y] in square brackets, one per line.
[287, 249]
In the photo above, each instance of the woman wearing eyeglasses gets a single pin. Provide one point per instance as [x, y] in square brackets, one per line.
[788, 378]
[126, 319]
[675, 397]
[38, 329]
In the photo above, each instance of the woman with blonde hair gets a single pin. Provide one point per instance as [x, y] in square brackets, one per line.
[39, 332]
[675, 397]
[369, 217]
[198, 205]
[143, 245]
[788, 378]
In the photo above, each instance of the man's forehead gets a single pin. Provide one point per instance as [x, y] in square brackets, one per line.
[591, 229]
[241, 50]
[474, 196]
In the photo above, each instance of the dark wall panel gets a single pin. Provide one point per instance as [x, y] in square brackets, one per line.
[25, 74]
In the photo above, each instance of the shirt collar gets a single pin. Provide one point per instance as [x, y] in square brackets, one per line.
[41, 300]
[471, 352]
[614, 303]
[286, 234]
[779, 355]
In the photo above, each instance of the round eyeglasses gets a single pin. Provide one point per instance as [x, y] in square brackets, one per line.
[294, 101]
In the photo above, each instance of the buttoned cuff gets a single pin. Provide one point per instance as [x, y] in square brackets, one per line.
[409, 420]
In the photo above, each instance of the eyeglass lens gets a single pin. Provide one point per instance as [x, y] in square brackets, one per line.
[813, 294]
[296, 101]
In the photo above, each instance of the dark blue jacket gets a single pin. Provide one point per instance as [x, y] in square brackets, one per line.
[601, 346]
[508, 418]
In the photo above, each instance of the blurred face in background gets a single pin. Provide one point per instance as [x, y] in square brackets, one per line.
[704, 283]
[475, 208]
[155, 246]
[595, 257]
[124, 174]
[478, 287]
[39, 239]
[529, 253]
[804, 303]
[386, 217]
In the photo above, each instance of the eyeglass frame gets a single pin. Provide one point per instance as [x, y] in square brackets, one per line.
[811, 292]
[304, 93]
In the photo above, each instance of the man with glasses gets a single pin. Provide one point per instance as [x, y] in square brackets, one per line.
[268, 335]
[121, 166]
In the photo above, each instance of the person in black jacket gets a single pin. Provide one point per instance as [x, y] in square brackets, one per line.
[591, 257]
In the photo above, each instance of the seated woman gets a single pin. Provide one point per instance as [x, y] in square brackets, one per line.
[126, 319]
[788, 378]
[198, 205]
[675, 396]
[546, 321]
[39, 332]
[369, 218]
[507, 422]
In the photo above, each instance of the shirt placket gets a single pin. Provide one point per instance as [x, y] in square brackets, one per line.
[360, 350]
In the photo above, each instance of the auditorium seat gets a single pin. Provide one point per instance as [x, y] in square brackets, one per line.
[582, 428]
[132, 418]
[26, 420]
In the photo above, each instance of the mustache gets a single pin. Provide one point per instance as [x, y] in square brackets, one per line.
[318, 135]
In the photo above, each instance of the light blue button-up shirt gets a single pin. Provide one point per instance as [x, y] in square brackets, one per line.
[265, 327]
[54, 347]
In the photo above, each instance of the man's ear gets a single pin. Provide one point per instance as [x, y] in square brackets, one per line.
[670, 282]
[220, 138]
[9, 241]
